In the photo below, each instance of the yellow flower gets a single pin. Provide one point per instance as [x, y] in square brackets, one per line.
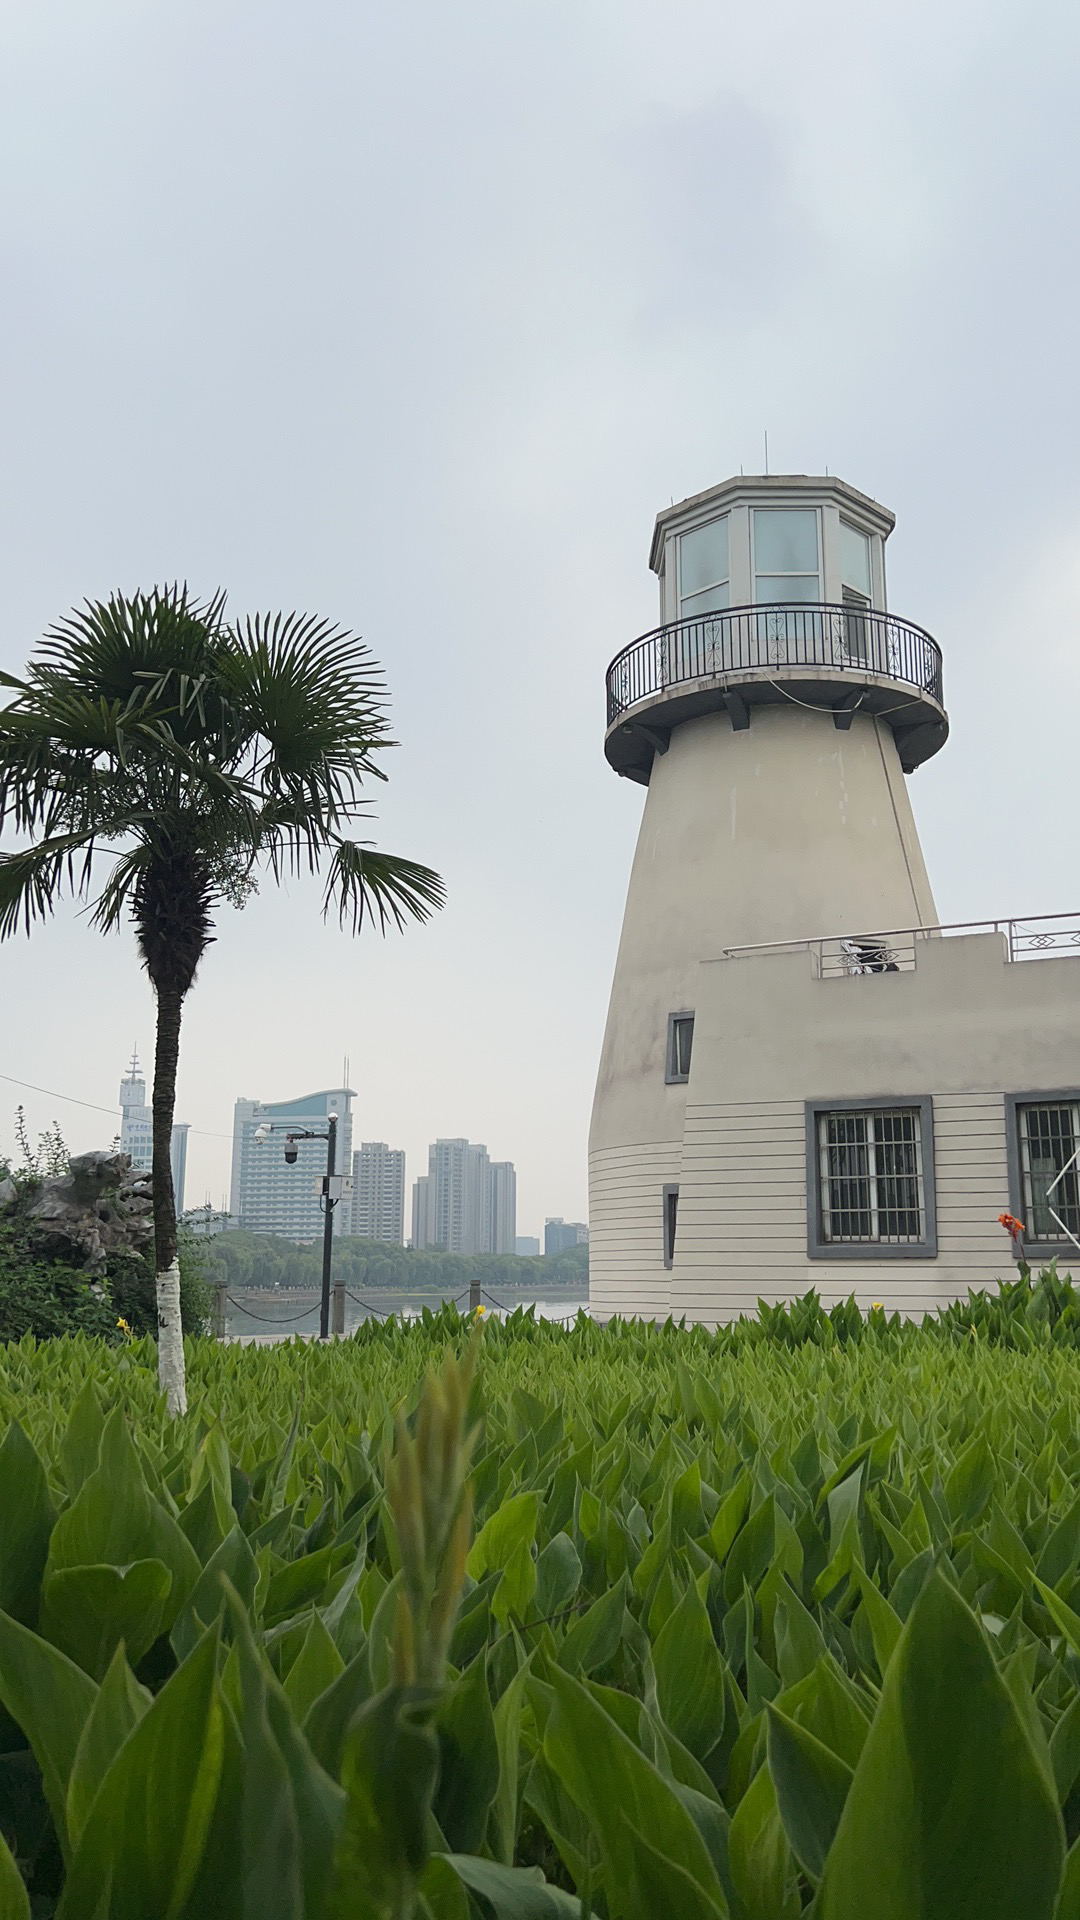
[479, 1311]
[124, 1328]
[878, 1304]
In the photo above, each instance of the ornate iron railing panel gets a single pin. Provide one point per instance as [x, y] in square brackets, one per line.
[769, 639]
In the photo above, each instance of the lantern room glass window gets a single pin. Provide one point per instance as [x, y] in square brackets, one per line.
[704, 570]
[787, 555]
[855, 586]
[854, 561]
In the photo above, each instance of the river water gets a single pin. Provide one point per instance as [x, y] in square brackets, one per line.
[263, 1313]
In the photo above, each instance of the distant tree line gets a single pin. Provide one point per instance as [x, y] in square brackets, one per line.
[268, 1260]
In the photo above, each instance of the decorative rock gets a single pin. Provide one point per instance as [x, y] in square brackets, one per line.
[99, 1207]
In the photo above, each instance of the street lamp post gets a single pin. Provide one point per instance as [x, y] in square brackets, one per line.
[329, 1200]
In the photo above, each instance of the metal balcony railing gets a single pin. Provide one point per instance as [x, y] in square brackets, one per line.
[895, 950]
[860, 642]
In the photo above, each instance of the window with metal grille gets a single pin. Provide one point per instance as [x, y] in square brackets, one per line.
[870, 1176]
[1049, 1143]
[679, 1046]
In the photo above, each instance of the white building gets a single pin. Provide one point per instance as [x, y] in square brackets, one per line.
[502, 1207]
[464, 1203]
[268, 1194]
[805, 1079]
[378, 1195]
[137, 1132]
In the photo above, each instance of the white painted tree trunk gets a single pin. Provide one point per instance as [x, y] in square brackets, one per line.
[171, 1340]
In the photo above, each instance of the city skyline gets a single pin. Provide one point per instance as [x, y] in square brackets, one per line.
[135, 1138]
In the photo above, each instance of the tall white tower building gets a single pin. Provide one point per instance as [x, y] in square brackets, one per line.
[378, 1196]
[803, 1081]
[465, 1203]
[137, 1131]
[502, 1207]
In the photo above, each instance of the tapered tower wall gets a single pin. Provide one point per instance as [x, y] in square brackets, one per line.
[788, 828]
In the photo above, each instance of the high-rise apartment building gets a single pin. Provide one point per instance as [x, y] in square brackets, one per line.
[378, 1195]
[464, 1203]
[421, 1196]
[502, 1207]
[137, 1131]
[270, 1196]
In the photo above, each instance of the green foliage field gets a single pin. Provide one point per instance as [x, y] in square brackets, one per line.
[751, 1626]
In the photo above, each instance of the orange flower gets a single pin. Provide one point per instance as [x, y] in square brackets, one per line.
[1011, 1224]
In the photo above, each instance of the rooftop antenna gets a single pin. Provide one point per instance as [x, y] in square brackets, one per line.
[766, 449]
[134, 1067]
[345, 1070]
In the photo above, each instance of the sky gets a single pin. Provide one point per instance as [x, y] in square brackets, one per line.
[414, 316]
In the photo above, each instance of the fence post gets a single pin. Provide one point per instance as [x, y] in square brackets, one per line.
[221, 1288]
[338, 1321]
[474, 1296]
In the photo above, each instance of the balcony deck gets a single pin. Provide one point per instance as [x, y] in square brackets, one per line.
[840, 659]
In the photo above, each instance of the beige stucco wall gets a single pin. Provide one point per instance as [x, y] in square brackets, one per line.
[965, 1026]
[786, 829]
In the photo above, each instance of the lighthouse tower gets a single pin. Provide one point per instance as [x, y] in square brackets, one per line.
[772, 716]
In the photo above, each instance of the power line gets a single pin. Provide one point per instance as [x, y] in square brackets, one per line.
[51, 1094]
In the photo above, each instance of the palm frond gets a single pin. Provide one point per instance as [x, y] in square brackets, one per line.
[35, 878]
[314, 700]
[114, 646]
[120, 889]
[363, 884]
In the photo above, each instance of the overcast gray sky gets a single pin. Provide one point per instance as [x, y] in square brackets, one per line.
[414, 316]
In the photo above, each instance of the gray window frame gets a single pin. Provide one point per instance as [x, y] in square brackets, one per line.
[671, 1078]
[669, 1248]
[1042, 1097]
[817, 1247]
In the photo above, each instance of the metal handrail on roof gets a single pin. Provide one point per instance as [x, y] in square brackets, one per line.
[892, 949]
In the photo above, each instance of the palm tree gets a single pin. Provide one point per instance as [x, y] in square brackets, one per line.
[155, 759]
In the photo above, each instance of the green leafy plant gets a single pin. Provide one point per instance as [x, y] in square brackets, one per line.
[746, 1627]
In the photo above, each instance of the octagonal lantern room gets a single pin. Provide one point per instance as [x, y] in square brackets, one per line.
[772, 589]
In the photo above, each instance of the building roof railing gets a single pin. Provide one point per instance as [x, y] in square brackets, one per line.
[839, 658]
[893, 950]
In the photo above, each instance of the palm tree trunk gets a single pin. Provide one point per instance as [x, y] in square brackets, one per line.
[171, 1374]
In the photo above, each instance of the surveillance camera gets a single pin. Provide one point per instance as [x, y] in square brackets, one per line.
[291, 1152]
[262, 1135]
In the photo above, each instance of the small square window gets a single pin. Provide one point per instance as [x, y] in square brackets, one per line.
[1044, 1145]
[671, 1214]
[870, 1180]
[679, 1047]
